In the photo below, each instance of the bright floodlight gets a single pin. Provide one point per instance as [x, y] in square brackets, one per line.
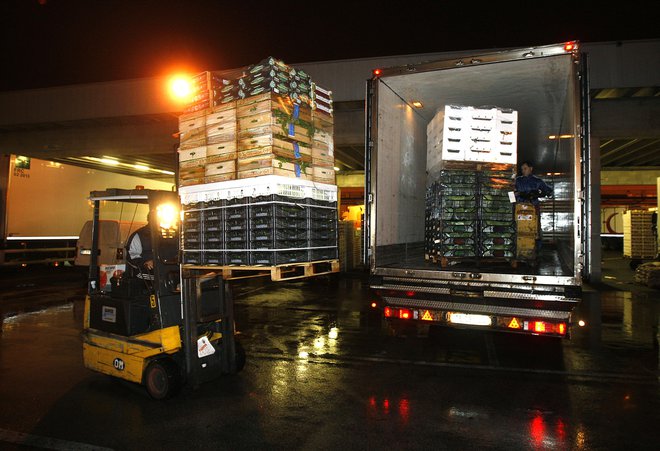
[180, 88]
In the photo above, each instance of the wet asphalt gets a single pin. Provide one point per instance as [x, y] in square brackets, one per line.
[323, 373]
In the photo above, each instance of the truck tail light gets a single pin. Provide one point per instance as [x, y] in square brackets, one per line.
[570, 46]
[404, 313]
[545, 328]
[377, 72]
[374, 304]
[401, 313]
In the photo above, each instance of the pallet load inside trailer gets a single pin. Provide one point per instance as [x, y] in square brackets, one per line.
[449, 239]
[256, 173]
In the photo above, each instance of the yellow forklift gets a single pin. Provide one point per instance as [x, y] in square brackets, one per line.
[164, 327]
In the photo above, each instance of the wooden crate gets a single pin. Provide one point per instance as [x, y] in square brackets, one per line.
[273, 171]
[639, 240]
[276, 104]
[277, 131]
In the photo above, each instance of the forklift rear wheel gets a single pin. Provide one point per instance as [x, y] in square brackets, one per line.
[240, 357]
[162, 379]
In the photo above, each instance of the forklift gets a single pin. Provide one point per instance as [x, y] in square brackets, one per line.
[162, 328]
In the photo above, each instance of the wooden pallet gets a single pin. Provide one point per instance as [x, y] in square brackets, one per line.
[444, 262]
[278, 273]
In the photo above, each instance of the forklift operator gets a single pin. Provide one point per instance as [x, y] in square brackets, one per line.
[140, 251]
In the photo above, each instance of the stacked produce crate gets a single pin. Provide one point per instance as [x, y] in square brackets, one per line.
[497, 226]
[639, 240]
[469, 216]
[471, 157]
[256, 170]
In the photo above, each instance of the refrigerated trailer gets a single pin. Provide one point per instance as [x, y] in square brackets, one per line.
[41, 212]
[548, 88]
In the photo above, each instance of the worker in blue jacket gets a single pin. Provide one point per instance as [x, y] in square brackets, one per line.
[529, 188]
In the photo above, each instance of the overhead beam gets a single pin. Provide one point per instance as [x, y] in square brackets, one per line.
[606, 162]
[627, 117]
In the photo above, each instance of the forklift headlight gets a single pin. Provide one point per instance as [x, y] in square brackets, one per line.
[167, 216]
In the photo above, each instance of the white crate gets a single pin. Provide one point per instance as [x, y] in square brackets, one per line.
[258, 186]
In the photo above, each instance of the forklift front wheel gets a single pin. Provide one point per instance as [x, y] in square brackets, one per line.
[162, 379]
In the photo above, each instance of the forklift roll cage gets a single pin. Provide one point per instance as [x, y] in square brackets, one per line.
[182, 307]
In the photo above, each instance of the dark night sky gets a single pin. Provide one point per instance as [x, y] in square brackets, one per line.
[58, 42]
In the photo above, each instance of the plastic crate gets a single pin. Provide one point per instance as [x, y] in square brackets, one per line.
[192, 257]
[214, 258]
[329, 253]
[458, 226]
[192, 240]
[498, 253]
[241, 257]
[323, 242]
[278, 210]
[237, 212]
[267, 222]
[259, 186]
[328, 225]
[214, 203]
[237, 224]
[278, 257]
[322, 213]
[457, 251]
[192, 206]
[286, 234]
[213, 237]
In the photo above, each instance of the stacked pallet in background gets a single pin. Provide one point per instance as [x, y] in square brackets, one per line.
[256, 169]
[639, 240]
[469, 216]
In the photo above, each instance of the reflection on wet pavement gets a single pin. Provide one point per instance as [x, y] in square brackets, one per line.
[333, 322]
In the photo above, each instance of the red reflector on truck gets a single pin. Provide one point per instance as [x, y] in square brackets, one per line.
[543, 327]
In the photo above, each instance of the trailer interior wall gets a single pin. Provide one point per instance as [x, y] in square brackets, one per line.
[51, 199]
[544, 91]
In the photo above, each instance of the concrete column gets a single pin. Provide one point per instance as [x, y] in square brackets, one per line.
[4, 186]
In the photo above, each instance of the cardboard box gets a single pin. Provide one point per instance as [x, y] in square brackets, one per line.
[526, 219]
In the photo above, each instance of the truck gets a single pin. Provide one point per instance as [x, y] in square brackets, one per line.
[42, 218]
[548, 88]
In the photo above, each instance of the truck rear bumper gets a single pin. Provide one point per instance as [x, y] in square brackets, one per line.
[514, 309]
